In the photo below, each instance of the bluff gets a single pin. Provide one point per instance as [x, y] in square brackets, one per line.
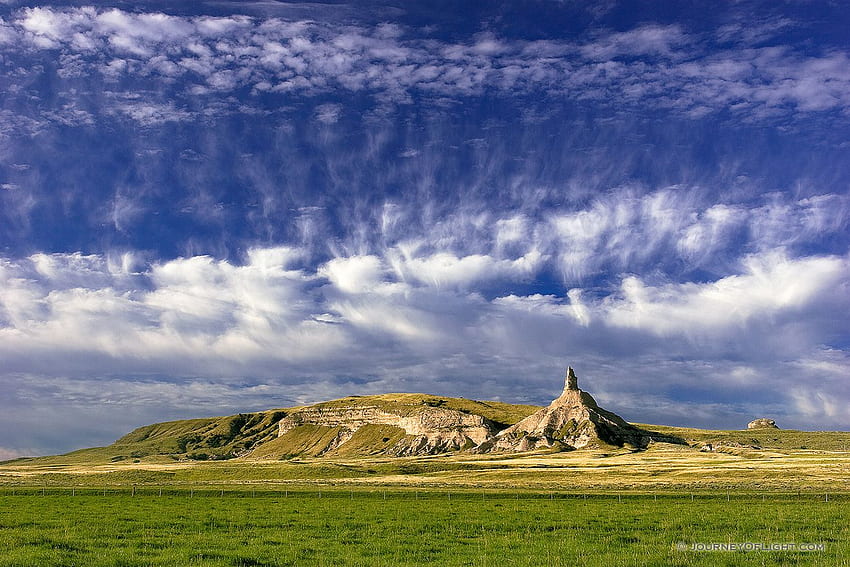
[422, 430]
[388, 424]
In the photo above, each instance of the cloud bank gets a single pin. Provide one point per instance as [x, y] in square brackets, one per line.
[370, 323]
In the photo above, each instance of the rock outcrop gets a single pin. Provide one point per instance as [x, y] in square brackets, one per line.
[573, 420]
[762, 423]
[372, 425]
[427, 430]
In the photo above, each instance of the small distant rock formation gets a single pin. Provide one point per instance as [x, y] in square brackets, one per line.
[762, 423]
[572, 421]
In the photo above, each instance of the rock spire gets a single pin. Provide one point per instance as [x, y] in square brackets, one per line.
[573, 420]
[570, 382]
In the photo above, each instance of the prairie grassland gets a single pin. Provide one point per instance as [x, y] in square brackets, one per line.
[375, 527]
[663, 467]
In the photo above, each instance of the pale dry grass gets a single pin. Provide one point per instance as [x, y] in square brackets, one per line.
[662, 467]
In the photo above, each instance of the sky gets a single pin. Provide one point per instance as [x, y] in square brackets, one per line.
[214, 207]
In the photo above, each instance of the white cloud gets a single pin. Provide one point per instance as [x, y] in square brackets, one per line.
[47, 28]
[662, 66]
[711, 230]
[355, 274]
[511, 232]
[328, 113]
[645, 40]
[627, 229]
[393, 319]
[783, 223]
[771, 284]
[202, 311]
[7, 33]
[550, 305]
[150, 113]
[444, 269]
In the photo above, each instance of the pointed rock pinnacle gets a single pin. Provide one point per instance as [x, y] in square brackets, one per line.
[571, 421]
[571, 382]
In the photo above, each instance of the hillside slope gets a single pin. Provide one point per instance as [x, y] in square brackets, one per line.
[256, 435]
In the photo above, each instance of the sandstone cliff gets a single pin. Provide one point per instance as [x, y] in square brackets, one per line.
[426, 429]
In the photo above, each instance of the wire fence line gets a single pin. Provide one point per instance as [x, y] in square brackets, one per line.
[338, 493]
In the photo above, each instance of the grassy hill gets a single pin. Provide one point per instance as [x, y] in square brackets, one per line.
[255, 435]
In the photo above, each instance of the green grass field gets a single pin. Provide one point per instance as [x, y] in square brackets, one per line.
[244, 527]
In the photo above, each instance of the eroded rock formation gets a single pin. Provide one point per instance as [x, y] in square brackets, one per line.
[762, 423]
[573, 420]
[428, 430]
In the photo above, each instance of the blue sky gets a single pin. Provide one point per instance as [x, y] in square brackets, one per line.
[213, 207]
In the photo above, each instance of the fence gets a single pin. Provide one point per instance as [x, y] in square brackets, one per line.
[395, 493]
